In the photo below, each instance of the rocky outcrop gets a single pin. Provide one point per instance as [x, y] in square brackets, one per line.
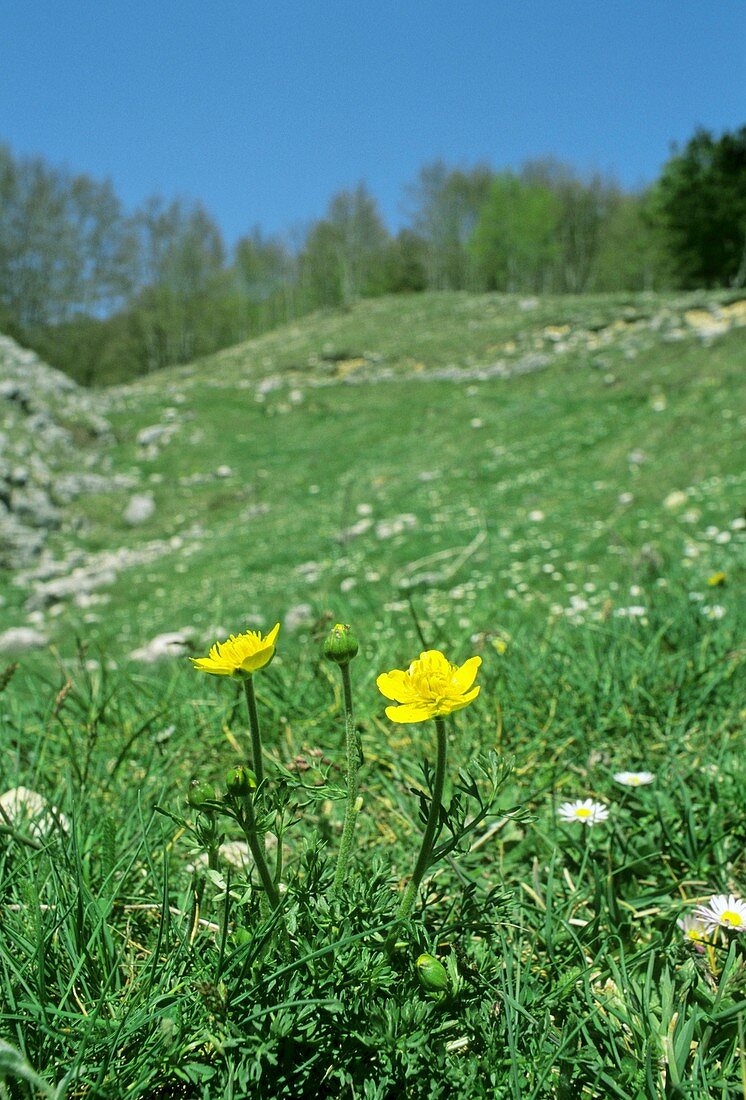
[47, 425]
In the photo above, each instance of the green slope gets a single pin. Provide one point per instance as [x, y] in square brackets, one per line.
[502, 458]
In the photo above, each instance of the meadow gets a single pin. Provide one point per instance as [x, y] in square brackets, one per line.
[553, 485]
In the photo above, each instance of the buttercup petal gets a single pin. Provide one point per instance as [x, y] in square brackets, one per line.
[257, 660]
[436, 660]
[467, 674]
[411, 712]
[207, 664]
[457, 704]
[395, 685]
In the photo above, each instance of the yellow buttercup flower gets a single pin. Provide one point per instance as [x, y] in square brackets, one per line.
[430, 688]
[241, 655]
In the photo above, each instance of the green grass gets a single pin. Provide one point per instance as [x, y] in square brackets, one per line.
[528, 519]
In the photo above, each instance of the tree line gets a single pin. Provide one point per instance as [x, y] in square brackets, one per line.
[107, 294]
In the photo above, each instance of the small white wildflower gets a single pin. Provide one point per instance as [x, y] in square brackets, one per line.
[693, 930]
[713, 611]
[586, 811]
[536, 516]
[634, 779]
[636, 611]
[723, 911]
[675, 499]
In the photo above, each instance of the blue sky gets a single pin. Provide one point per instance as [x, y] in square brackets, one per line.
[262, 110]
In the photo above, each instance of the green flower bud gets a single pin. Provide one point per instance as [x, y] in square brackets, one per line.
[200, 793]
[432, 974]
[340, 645]
[240, 781]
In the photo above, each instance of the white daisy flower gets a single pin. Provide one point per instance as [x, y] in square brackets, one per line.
[587, 812]
[723, 911]
[693, 930]
[634, 779]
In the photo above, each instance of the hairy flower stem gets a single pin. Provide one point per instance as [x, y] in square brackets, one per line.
[255, 840]
[354, 760]
[256, 737]
[436, 800]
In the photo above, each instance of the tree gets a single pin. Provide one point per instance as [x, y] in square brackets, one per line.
[515, 242]
[585, 205]
[701, 203]
[64, 246]
[264, 272]
[343, 254]
[179, 305]
[447, 206]
[403, 269]
[630, 253]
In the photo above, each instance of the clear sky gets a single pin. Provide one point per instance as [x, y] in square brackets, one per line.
[262, 109]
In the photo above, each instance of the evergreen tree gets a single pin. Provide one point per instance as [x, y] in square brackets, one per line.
[701, 202]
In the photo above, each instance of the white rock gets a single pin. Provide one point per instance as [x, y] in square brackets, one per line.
[174, 644]
[153, 434]
[298, 616]
[140, 508]
[24, 805]
[20, 638]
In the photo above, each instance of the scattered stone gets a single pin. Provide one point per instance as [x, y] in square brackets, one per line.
[236, 853]
[355, 529]
[386, 528]
[33, 507]
[20, 638]
[177, 643]
[30, 810]
[46, 420]
[140, 508]
[72, 585]
[301, 615]
[146, 437]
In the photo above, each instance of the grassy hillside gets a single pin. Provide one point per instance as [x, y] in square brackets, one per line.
[336, 466]
[555, 486]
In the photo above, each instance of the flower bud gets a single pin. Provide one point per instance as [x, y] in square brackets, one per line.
[340, 645]
[432, 974]
[240, 781]
[200, 793]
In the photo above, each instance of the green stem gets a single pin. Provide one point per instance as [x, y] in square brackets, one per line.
[278, 858]
[256, 737]
[354, 760]
[255, 841]
[585, 848]
[428, 840]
